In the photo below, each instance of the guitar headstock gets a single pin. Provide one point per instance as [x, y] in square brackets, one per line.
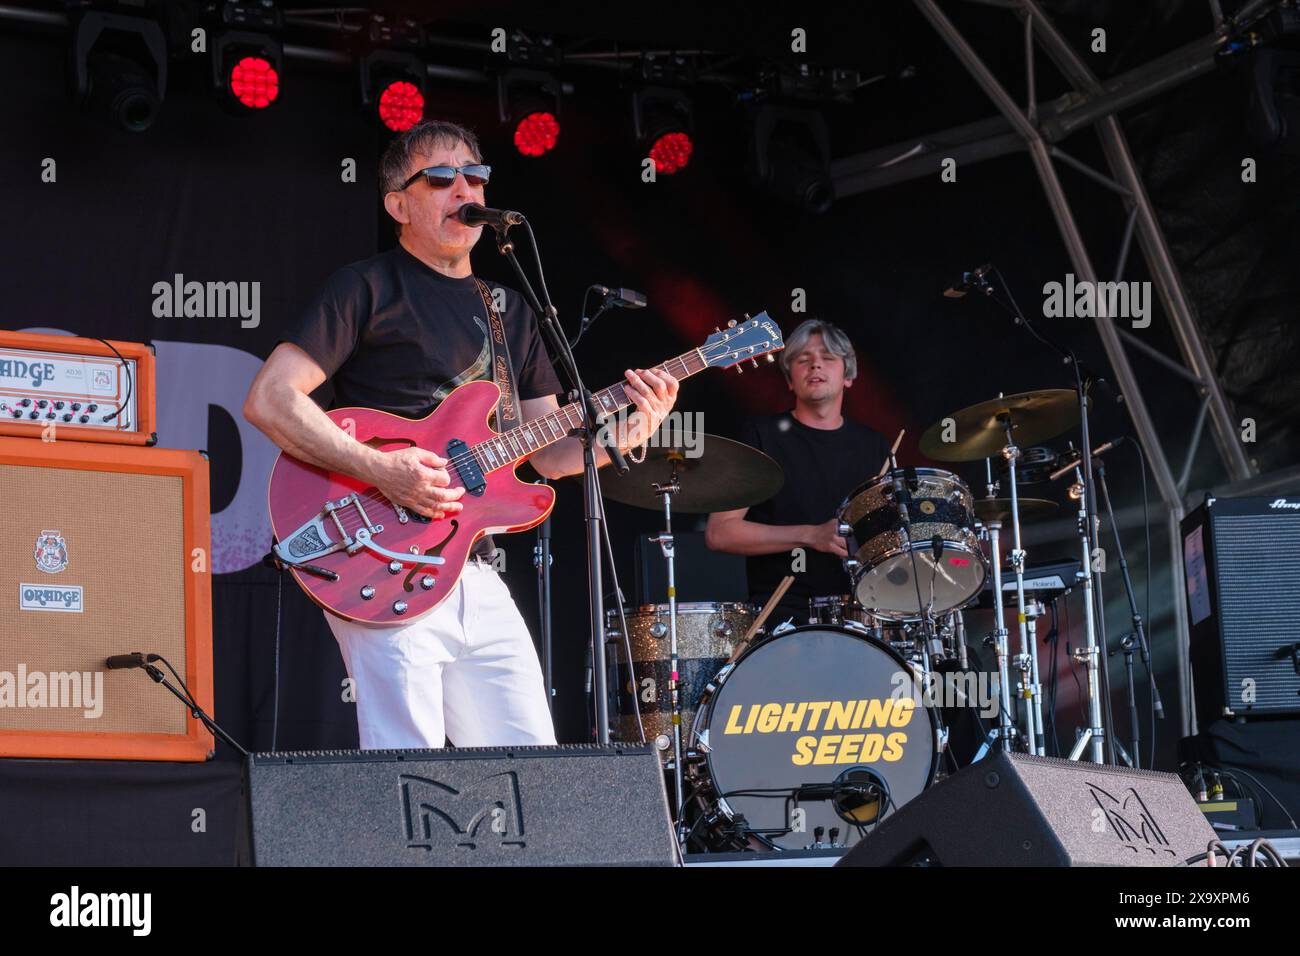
[739, 341]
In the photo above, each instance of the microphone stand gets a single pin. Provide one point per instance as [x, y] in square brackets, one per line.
[542, 562]
[195, 710]
[590, 435]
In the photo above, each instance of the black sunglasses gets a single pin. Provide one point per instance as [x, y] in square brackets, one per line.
[440, 177]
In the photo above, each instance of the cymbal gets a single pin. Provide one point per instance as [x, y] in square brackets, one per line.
[999, 509]
[976, 432]
[718, 474]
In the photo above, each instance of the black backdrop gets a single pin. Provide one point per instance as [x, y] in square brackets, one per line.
[224, 197]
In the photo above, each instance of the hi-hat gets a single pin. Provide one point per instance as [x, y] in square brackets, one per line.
[718, 474]
[977, 431]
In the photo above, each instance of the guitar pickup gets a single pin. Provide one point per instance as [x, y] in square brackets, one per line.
[471, 475]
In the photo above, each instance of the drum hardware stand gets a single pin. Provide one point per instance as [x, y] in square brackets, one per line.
[1003, 731]
[666, 545]
[1094, 734]
[1127, 643]
[1027, 662]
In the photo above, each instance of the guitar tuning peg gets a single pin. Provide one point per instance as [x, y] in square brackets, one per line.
[716, 329]
[770, 358]
[746, 316]
[731, 324]
[753, 363]
[740, 369]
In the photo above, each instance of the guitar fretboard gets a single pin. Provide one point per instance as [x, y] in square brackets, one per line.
[517, 444]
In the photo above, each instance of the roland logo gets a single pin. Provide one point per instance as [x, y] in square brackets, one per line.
[1281, 503]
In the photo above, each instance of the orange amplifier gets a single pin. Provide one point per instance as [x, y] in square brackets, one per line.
[105, 551]
[63, 387]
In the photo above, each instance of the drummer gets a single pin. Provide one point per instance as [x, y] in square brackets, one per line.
[825, 456]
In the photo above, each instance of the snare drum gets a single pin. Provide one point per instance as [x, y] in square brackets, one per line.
[890, 562]
[838, 610]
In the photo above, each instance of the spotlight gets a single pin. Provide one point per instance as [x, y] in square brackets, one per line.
[663, 121]
[790, 157]
[120, 68]
[528, 103]
[392, 73]
[247, 60]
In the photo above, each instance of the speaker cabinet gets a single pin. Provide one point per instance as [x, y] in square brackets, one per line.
[1243, 605]
[500, 806]
[1016, 810]
[105, 550]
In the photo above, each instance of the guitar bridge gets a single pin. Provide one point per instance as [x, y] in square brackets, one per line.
[325, 534]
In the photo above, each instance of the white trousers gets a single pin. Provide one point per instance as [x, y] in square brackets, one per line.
[467, 671]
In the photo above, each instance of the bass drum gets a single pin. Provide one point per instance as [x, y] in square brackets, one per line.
[799, 708]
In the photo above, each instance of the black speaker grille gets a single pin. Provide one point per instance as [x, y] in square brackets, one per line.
[1257, 559]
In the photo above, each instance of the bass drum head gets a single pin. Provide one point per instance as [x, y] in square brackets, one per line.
[801, 708]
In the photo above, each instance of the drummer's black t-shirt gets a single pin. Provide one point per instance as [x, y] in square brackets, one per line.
[822, 466]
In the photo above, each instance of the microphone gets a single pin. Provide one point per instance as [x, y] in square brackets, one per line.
[1072, 458]
[472, 214]
[936, 546]
[122, 661]
[622, 298]
[975, 279]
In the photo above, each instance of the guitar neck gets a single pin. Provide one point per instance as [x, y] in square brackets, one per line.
[517, 444]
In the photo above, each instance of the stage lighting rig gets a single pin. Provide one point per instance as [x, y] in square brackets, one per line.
[247, 56]
[119, 67]
[663, 121]
[790, 156]
[528, 103]
[393, 76]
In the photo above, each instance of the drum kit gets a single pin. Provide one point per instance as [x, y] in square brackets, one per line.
[805, 735]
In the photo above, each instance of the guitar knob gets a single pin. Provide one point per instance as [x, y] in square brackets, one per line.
[394, 567]
[426, 582]
[367, 592]
[399, 607]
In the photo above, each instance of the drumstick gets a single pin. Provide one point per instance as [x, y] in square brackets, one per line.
[892, 451]
[772, 602]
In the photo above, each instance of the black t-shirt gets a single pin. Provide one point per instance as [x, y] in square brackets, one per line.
[398, 336]
[822, 466]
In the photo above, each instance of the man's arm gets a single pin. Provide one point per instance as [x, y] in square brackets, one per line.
[279, 404]
[653, 394]
[732, 532]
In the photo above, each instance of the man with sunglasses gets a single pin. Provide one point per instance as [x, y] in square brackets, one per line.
[398, 332]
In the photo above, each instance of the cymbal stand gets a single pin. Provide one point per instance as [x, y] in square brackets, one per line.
[665, 540]
[1004, 730]
[1090, 655]
[1027, 661]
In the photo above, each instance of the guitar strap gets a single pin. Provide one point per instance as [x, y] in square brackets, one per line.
[502, 374]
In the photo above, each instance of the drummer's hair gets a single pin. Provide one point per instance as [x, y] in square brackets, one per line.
[837, 343]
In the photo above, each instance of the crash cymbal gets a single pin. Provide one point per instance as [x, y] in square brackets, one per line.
[718, 474]
[976, 431]
[999, 509]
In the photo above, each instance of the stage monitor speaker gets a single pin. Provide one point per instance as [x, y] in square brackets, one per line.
[1017, 810]
[105, 551]
[1243, 605]
[499, 806]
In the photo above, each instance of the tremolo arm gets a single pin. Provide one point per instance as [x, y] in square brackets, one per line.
[314, 540]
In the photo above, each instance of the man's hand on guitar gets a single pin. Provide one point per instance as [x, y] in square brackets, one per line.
[417, 479]
[654, 393]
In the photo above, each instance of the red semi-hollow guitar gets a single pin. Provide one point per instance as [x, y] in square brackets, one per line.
[367, 559]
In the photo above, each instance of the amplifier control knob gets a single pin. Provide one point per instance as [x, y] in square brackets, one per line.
[49, 414]
[33, 414]
[399, 607]
[76, 406]
[16, 413]
[83, 419]
[58, 405]
[91, 408]
[367, 592]
[42, 403]
[67, 416]
[26, 403]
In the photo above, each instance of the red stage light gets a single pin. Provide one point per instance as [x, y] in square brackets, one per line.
[536, 133]
[671, 152]
[254, 82]
[401, 105]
